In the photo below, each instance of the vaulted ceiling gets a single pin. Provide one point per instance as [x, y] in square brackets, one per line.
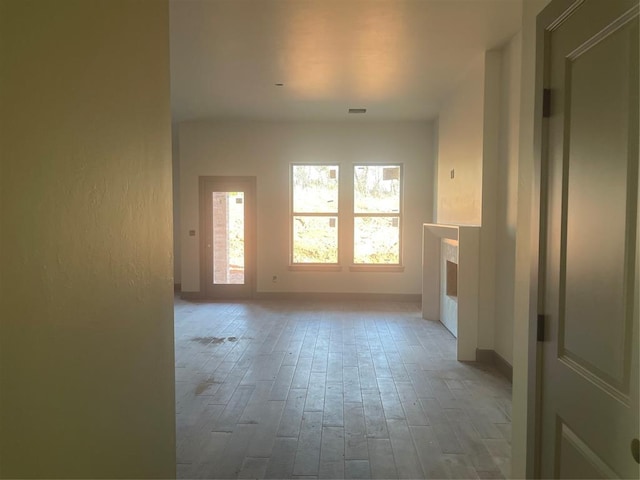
[396, 58]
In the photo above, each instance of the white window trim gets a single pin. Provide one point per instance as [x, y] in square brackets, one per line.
[378, 267]
[346, 223]
[317, 267]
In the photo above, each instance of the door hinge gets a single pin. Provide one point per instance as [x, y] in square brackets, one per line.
[540, 328]
[546, 103]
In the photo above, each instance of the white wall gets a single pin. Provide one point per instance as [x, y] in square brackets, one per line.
[86, 330]
[507, 197]
[460, 140]
[265, 150]
[489, 188]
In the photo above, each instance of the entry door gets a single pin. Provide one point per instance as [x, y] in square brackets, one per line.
[590, 354]
[227, 223]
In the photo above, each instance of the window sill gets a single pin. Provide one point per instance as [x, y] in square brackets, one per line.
[352, 268]
[376, 268]
[315, 267]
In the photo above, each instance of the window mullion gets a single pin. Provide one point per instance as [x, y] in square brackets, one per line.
[377, 214]
[314, 214]
[346, 218]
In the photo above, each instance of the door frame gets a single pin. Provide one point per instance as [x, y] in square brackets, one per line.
[547, 20]
[551, 17]
[250, 231]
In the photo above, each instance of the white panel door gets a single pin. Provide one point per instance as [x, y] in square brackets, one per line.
[590, 235]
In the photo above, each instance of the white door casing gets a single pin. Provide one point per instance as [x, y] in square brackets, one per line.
[223, 200]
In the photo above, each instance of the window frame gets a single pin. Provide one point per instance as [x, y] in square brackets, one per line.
[369, 267]
[329, 266]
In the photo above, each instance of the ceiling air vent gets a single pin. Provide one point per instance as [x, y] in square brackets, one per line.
[357, 110]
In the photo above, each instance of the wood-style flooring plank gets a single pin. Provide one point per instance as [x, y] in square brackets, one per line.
[292, 415]
[355, 432]
[381, 458]
[332, 453]
[307, 459]
[282, 457]
[357, 469]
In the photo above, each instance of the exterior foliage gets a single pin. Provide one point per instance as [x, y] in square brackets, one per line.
[376, 210]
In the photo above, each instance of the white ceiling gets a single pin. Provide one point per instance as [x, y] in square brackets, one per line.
[397, 58]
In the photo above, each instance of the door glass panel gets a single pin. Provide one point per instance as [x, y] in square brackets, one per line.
[228, 238]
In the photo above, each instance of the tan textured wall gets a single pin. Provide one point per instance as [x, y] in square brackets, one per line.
[86, 326]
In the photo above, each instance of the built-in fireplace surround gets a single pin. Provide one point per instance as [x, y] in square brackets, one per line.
[448, 303]
[451, 281]
[450, 262]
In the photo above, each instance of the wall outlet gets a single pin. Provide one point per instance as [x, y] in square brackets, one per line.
[453, 173]
[274, 279]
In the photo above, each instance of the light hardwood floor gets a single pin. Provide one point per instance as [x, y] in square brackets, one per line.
[308, 389]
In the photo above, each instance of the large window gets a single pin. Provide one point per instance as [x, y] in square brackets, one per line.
[371, 235]
[377, 214]
[314, 214]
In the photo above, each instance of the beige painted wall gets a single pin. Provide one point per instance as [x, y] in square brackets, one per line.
[266, 149]
[489, 187]
[460, 132]
[86, 331]
[507, 197]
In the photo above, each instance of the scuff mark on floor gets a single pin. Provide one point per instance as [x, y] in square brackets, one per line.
[208, 340]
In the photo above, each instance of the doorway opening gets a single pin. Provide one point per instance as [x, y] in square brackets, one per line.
[227, 223]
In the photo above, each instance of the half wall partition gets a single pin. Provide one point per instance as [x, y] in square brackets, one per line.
[450, 275]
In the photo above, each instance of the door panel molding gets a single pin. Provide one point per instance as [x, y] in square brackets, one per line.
[571, 444]
[599, 208]
[599, 379]
[605, 32]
